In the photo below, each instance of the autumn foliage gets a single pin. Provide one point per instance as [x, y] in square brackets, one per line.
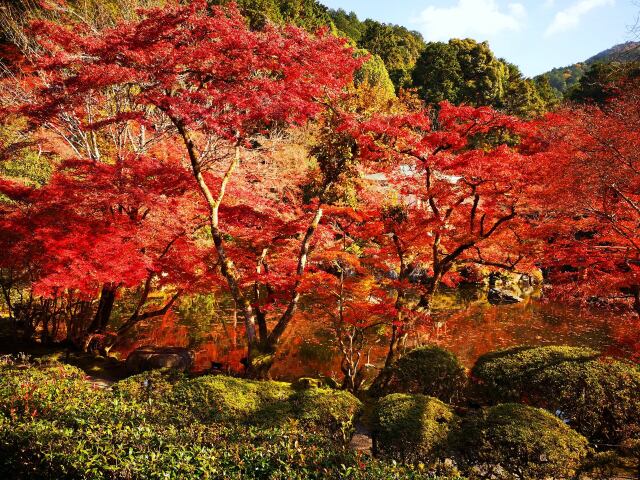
[593, 209]
[191, 153]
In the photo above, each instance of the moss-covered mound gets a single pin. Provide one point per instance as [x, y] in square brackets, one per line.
[597, 397]
[516, 441]
[430, 370]
[504, 374]
[216, 399]
[412, 428]
[220, 398]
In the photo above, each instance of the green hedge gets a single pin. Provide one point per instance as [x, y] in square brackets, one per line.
[517, 441]
[430, 370]
[56, 425]
[597, 397]
[505, 374]
[412, 428]
[221, 399]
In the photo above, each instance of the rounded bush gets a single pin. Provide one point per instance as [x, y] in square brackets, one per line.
[411, 428]
[597, 397]
[227, 399]
[430, 370]
[304, 383]
[215, 398]
[328, 410]
[516, 441]
[153, 384]
[503, 374]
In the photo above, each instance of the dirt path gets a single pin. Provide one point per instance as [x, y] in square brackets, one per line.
[361, 440]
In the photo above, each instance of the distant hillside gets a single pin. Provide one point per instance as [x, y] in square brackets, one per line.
[564, 78]
[624, 52]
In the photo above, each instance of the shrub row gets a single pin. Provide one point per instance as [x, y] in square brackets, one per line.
[56, 425]
[596, 396]
[505, 441]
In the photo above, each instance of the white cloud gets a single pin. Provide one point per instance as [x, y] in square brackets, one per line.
[470, 18]
[570, 17]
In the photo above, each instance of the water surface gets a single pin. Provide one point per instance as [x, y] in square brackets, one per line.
[463, 321]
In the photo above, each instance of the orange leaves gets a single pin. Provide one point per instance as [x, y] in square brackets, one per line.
[592, 195]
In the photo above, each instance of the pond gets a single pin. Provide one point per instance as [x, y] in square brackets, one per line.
[463, 321]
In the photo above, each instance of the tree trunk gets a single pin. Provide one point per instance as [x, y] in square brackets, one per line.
[636, 299]
[261, 352]
[105, 307]
[259, 360]
[379, 384]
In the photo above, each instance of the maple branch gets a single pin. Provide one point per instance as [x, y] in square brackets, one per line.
[633, 205]
[400, 252]
[286, 317]
[432, 201]
[225, 181]
[144, 296]
[452, 208]
[498, 222]
[474, 209]
[260, 316]
[227, 267]
[510, 266]
[449, 258]
[137, 318]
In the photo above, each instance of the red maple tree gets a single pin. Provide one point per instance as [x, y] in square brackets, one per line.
[454, 192]
[100, 227]
[593, 200]
[199, 75]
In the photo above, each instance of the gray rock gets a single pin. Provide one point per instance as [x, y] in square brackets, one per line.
[497, 296]
[152, 358]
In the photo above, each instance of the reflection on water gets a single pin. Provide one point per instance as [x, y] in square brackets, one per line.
[463, 322]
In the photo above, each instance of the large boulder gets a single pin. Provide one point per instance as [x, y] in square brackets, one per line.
[151, 358]
[499, 296]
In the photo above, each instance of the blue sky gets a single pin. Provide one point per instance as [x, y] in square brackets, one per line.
[535, 35]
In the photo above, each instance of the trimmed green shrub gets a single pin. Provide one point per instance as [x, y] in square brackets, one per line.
[331, 410]
[430, 370]
[504, 374]
[304, 383]
[412, 428]
[597, 397]
[149, 385]
[220, 398]
[600, 398]
[516, 441]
